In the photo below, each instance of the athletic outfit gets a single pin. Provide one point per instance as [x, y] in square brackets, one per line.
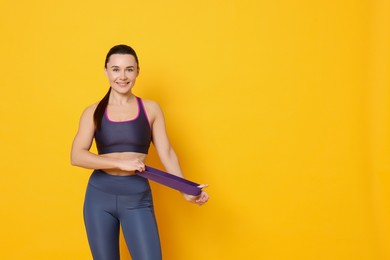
[111, 201]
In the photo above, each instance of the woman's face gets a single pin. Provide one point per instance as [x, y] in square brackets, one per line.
[121, 71]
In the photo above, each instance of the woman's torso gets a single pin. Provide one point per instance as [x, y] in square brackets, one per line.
[125, 138]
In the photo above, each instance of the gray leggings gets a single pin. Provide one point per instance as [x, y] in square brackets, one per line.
[111, 201]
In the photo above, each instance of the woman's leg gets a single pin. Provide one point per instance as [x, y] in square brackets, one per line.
[140, 228]
[101, 225]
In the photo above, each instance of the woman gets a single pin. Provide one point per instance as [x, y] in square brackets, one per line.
[123, 126]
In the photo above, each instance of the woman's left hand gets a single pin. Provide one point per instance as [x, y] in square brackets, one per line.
[201, 199]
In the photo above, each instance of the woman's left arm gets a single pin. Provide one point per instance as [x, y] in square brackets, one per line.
[165, 151]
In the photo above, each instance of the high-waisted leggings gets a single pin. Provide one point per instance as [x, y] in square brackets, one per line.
[111, 201]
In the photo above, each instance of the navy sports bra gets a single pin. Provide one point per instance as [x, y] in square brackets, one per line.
[132, 135]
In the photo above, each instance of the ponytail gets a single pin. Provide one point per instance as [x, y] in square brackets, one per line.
[100, 109]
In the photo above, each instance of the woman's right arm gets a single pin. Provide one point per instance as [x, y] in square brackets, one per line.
[82, 157]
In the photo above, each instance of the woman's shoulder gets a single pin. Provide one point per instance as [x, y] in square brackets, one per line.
[151, 104]
[153, 109]
[90, 110]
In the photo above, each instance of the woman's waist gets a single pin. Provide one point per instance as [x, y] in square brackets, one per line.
[123, 156]
[117, 172]
[120, 185]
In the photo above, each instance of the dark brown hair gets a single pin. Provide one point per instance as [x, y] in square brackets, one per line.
[101, 107]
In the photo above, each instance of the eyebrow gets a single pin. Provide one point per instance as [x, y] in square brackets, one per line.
[119, 67]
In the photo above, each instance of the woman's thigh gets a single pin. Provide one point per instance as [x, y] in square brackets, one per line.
[140, 231]
[101, 224]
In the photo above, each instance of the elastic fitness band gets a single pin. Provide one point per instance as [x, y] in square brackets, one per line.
[170, 180]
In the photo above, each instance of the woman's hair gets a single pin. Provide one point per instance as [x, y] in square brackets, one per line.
[101, 107]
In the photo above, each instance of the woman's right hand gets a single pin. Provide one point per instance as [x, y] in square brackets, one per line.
[131, 165]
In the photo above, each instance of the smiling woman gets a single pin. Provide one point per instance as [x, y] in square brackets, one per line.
[122, 71]
[123, 125]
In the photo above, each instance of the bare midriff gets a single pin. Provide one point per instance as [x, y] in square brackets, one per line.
[123, 156]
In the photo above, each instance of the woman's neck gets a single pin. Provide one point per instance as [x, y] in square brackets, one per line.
[120, 99]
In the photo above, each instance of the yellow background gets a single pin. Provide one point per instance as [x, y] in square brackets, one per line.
[281, 106]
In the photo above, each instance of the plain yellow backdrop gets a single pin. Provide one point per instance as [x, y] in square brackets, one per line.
[282, 107]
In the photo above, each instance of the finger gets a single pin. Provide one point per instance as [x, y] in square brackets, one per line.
[200, 203]
[139, 167]
[201, 186]
[203, 198]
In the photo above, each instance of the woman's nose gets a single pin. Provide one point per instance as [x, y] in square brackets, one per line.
[124, 75]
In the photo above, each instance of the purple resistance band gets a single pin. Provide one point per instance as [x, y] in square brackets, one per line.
[170, 180]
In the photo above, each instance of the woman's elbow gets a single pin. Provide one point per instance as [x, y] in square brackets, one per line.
[74, 159]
